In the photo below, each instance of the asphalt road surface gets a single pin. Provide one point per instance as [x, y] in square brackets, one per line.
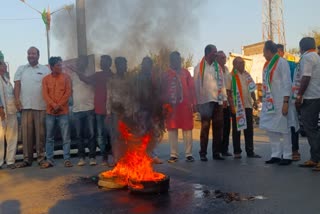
[193, 187]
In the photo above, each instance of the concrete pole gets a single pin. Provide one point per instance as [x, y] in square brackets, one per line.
[81, 27]
[48, 42]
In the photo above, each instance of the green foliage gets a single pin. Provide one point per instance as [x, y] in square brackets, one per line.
[161, 60]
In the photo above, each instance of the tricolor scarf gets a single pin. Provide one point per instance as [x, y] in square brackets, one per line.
[268, 71]
[297, 77]
[238, 97]
[175, 90]
[218, 76]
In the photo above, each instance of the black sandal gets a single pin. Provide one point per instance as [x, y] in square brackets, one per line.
[45, 165]
[23, 164]
[68, 163]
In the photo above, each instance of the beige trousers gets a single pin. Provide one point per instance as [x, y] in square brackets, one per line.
[33, 132]
[173, 140]
[9, 131]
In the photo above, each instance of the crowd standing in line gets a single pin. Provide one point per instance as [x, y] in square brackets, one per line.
[43, 94]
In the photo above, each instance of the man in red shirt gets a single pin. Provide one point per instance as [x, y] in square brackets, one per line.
[180, 94]
[56, 90]
[99, 81]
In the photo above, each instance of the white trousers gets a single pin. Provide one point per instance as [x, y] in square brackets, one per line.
[280, 148]
[9, 131]
[173, 140]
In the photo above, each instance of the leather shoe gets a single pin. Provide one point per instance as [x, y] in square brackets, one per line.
[226, 154]
[217, 157]
[273, 160]
[203, 158]
[285, 162]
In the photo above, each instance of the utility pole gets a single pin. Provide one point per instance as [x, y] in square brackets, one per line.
[46, 17]
[81, 27]
[272, 21]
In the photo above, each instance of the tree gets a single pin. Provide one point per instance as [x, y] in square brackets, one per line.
[316, 35]
[161, 60]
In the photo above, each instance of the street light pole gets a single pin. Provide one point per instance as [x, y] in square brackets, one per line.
[46, 17]
[48, 42]
[81, 27]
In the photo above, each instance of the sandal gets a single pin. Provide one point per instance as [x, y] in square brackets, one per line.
[23, 164]
[68, 163]
[45, 165]
[316, 168]
[11, 166]
[308, 164]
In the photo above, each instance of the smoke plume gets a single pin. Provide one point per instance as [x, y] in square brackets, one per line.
[130, 28]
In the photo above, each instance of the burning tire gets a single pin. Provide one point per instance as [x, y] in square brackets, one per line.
[149, 187]
[111, 182]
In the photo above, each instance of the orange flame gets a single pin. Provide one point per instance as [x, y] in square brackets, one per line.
[135, 165]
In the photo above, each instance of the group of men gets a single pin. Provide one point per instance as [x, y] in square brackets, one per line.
[218, 94]
[43, 95]
[288, 90]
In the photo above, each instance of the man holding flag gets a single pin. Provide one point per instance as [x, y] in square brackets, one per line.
[274, 116]
[240, 90]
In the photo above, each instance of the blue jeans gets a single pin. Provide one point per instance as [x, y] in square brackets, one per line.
[103, 136]
[84, 127]
[62, 121]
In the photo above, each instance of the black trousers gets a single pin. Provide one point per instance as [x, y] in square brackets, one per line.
[226, 129]
[310, 110]
[294, 139]
[248, 134]
[211, 111]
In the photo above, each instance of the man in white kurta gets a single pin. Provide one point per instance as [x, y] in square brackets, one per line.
[9, 123]
[274, 115]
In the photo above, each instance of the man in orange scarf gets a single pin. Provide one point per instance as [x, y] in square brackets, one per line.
[211, 97]
[240, 89]
[308, 98]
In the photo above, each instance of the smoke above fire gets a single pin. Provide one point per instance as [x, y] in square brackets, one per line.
[130, 28]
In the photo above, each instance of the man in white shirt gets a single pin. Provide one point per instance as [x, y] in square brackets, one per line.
[222, 59]
[29, 100]
[8, 116]
[308, 97]
[275, 117]
[241, 92]
[83, 113]
[211, 96]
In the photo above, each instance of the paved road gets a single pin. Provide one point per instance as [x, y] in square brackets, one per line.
[61, 190]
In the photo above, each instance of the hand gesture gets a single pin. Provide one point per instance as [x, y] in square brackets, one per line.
[2, 114]
[18, 105]
[285, 108]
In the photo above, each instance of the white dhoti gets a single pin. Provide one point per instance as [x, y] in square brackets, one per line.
[280, 144]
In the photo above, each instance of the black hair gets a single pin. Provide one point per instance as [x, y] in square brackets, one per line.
[271, 46]
[107, 57]
[174, 53]
[148, 58]
[38, 52]
[307, 43]
[54, 60]
[120, 59]
[280, 46]
[208, 49]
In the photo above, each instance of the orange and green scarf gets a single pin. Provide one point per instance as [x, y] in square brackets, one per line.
[218, 77]
[268, 71]
[238, 100]
[298, 76]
